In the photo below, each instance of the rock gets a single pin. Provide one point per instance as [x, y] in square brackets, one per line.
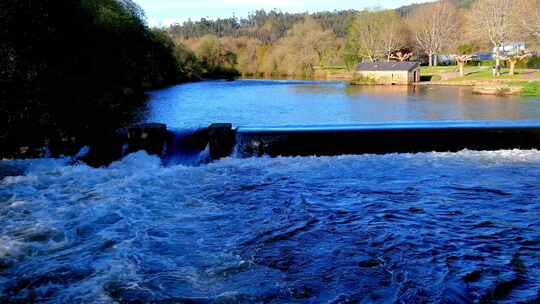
[105, 147]
[151, 137]
[222, 138]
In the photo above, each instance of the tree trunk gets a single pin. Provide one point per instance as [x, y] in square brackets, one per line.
[497, 57]
[512, 67]
[435, 60]
[430, 55]
[388, 58]
[461, 65]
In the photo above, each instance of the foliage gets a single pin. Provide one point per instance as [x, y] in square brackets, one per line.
[267, 27]
[465, 49]
[264, 44]
[69, 66]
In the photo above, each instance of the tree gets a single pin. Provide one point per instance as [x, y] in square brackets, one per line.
[321, 41]
[464, 54]
[374, 34]
[305, 46]
[401, 55]
[393, 33]
[491, 19]
[515, 58]
[433, 26]
[526, 18]
[215, 55]
[71, 66]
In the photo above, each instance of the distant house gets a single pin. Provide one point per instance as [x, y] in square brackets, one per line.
[510, 48]
[406, 72]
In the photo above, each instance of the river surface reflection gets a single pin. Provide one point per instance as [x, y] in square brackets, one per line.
[271, 102]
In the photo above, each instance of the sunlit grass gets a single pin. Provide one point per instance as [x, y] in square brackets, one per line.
[487, 74]
[531, 88]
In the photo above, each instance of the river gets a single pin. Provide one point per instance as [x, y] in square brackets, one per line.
[267, 102]
[400, 228]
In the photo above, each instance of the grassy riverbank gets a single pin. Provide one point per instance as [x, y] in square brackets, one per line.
[525, 82]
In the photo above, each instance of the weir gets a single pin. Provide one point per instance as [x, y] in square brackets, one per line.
[198, 146]
[386, 138]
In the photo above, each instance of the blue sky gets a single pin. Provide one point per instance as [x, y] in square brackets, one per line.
[164, 12]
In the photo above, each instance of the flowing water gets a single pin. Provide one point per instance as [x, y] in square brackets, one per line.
[401, 228]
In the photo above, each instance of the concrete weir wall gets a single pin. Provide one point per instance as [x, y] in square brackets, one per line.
[386, 138]
[223, 140]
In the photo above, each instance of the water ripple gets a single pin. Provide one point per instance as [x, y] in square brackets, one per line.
[427, 228]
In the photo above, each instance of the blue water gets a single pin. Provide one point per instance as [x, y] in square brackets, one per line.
[427, 228]
[401, 228]
[279, 103]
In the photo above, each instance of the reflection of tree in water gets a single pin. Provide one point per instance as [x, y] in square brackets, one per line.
[440, 103]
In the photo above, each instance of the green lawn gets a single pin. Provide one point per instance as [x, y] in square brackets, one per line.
[471, 73]
[484, 74]
[487, 74]
[429, 71]
[531, 88]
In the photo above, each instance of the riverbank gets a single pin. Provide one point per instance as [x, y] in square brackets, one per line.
[525, 82]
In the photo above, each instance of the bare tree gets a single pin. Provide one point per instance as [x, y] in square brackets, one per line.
[401, 55]
[515, 58]
[433, 26]
[376, 34]
[393, 32]
[464, 55]
[491, 19]
[526, 18]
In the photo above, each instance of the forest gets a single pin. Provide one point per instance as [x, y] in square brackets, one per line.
[278, 44]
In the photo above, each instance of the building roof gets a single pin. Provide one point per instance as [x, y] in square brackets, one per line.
[388, 66]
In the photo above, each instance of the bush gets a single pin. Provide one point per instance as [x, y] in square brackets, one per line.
[71, 66]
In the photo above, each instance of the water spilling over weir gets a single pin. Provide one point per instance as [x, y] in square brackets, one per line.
[224, 140]
[434, 227]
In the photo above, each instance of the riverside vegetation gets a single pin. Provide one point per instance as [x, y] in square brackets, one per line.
[71, 71]
[328, 45]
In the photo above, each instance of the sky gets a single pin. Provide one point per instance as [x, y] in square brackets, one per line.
[165, 12]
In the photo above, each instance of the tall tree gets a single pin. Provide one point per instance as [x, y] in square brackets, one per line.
[433, 26]
[526, 18]
[376, 34]
[491, 19]
[393, 33]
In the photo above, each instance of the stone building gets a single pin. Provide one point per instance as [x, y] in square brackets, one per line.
[388, 73]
